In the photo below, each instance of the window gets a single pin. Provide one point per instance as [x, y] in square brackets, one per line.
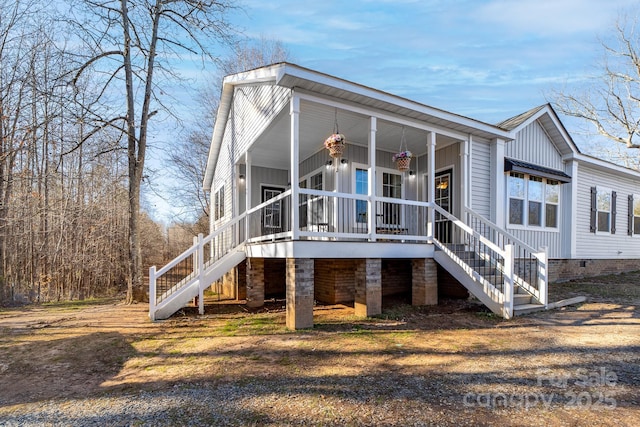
[551, 201]
[312, 208]
[533, 201]
[391, 187]
[516, 198]
[362, 187]
[272, 213]
[603, 210]
[218, 204]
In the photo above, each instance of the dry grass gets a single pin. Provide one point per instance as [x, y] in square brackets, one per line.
[444, 365]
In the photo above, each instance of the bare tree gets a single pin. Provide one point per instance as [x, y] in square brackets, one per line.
[189, 160]
[611, 101]
[132, 43]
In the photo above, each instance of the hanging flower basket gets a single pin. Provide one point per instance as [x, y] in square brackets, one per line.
[403, 160]
[335, 144]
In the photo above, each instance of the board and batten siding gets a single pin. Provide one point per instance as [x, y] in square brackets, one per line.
[532, 144]
[449, 158]
[254, 108]
[537, 239]
[604, 245]
[341, 179]
[481, 177]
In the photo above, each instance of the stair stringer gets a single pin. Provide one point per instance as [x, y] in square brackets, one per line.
[189, 291]
[477, 285]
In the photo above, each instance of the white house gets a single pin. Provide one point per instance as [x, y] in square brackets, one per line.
[500, 209]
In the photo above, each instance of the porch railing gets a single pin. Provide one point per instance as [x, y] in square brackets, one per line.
[270, 220]
[324, 214]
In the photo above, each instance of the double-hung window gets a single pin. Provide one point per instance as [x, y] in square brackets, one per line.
[218, 204]
[603, 210]
[551, 202]
[634, 214]
[533, 201]
[362, 187]
[313, 208]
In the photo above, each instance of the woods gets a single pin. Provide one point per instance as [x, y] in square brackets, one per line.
[74, 123]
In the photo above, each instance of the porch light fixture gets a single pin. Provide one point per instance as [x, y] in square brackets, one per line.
[344, 161]
[412, 173]
[241, 177]
[328, 163]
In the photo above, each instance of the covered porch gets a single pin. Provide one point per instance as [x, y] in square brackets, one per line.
[359, 196]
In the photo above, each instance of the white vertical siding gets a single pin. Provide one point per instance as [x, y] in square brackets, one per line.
[534, 146]
[253, 108]
[592, 245]
[481, 177]
[449, 158]
[538, 239]
[261, 176]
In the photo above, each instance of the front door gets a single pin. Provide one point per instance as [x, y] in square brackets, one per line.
[272, 213]
[443, 198]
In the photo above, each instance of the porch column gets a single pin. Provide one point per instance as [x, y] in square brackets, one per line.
[465, 173]
[247, 192]
[431, 180]
[371, 191]
[497, 191]
[295, 156]
[255, 282]
[368, 281]
[424, 282]
[299, 305]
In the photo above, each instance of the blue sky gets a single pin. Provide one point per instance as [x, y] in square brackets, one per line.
[485, 59]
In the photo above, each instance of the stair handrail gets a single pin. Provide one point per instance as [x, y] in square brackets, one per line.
[511, 237]
[468, 230]
[505, 265]
[198, 266]
[541, 255]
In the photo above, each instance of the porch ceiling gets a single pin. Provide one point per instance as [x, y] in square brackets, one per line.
[272, 149]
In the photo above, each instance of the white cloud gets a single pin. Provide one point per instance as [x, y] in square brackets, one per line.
[552, 17]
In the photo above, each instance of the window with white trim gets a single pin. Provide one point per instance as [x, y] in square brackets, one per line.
[218, 204]
[551, 203]
[603, 210]
[312, 208]
[635, 214]
[361, 187]
[533, 201]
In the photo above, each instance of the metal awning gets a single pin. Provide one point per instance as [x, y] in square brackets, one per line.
[535, 170]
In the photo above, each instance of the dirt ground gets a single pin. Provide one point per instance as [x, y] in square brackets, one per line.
[102, 362]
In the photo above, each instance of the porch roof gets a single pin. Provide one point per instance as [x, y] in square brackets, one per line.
[309, 81]
[296, 77]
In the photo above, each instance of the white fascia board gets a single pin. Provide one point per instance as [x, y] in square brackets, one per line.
[258, 75]
[603, 165]
[563, 130]
[327, 80]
